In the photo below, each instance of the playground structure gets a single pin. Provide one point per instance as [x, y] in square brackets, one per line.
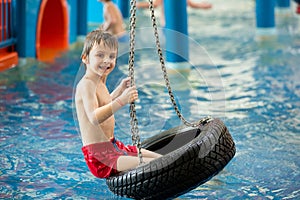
[43, 28]
[39, 28]
[8, 56]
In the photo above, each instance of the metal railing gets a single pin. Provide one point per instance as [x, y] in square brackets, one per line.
[6, 23]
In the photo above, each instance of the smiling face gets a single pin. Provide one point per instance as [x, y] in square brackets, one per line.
[99, 53]
[101, 59]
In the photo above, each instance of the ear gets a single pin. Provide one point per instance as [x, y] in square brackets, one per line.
[85, 59]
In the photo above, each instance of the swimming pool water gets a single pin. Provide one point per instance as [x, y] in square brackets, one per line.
[258, 99]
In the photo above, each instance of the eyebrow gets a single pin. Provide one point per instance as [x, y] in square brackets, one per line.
[99, 51]
[104, 52]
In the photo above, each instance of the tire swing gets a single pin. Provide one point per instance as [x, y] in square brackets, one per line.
[192, 153]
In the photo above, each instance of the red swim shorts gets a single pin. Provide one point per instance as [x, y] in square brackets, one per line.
[101, 158]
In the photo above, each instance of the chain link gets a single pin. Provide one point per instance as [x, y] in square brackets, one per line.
[133, 122]
[163, 67]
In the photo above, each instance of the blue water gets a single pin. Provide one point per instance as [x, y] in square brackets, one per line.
[253, 86]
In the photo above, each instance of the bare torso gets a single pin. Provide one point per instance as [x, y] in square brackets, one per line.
[113, 16]
[91, 133]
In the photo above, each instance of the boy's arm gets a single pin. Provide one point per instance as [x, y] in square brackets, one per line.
[156, 3]
[95, 114]
[125, 83]
[201, 5]
[117, 92]
[142, 5]
[110, 20]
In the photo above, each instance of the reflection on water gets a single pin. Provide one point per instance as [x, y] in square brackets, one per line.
[253, 86]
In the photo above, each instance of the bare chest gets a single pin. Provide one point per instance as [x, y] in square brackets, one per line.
[103, 97]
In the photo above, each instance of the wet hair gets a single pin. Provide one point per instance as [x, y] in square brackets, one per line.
[95, 37]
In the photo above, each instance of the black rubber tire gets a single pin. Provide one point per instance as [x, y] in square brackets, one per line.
[181, 170]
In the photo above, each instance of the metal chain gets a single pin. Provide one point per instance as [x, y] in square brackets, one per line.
[165, 74]
[133, 121]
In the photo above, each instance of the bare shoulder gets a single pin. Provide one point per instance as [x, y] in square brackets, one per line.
[111, 8]
[85, 85]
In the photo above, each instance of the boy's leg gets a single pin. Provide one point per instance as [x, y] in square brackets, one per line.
[129, 162]
[150, 154]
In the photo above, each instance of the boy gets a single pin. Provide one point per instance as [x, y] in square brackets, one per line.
[113, 21]
[95, 109]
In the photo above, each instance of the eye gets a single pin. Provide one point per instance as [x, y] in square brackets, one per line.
[101, 55]
[112, 56]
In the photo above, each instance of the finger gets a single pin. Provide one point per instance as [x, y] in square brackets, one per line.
[128, 83]
[135, 96]
[133, 91]
[127, 79]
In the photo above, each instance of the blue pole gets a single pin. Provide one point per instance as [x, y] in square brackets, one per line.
[283, 3]
[176, 32]
[283, 10]
[82, 17]
[265, 14]
[124, 7]
[26, 27]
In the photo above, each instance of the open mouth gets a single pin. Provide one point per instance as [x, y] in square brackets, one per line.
[104, 68]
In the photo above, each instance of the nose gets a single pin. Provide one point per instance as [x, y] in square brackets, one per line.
[107, 59]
